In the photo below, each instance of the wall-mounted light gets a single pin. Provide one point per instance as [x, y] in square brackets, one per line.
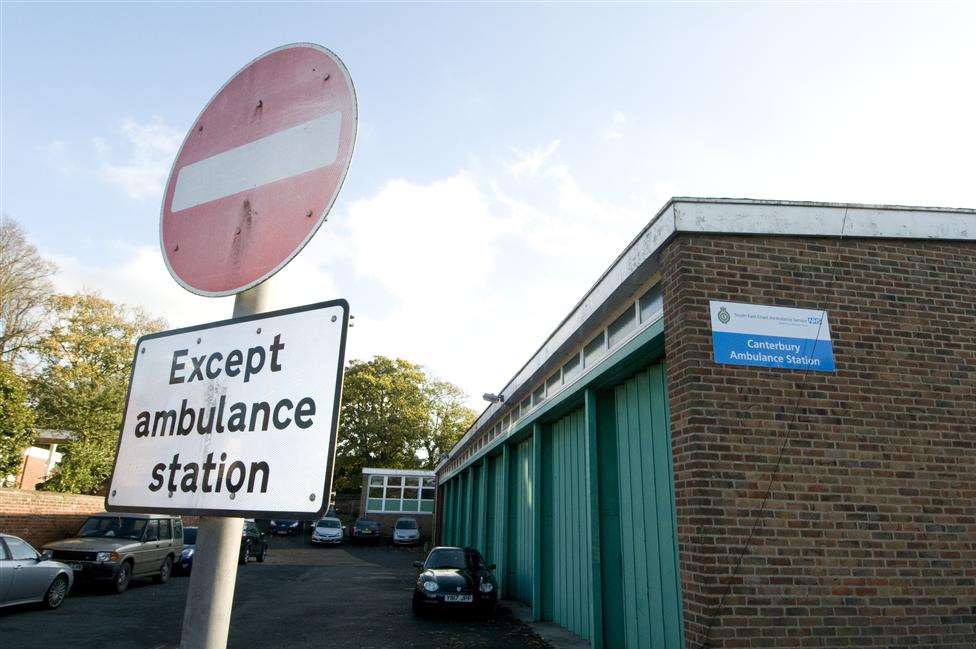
[493, 398]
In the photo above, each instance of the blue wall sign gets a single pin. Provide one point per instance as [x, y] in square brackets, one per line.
[771, 336]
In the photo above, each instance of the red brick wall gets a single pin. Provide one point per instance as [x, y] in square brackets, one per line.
[32, 471]
[869, 535]
[40, 516]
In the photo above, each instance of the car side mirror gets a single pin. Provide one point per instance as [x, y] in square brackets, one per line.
[418, 565]
[46, 555]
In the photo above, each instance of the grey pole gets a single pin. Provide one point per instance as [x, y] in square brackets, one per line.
[206, 618]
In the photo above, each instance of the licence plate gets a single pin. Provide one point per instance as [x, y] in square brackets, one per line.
[77, 566]
[457, 598]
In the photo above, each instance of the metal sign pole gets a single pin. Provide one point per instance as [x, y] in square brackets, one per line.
[206, 617]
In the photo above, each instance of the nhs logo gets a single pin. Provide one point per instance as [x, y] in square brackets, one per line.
[814, 320]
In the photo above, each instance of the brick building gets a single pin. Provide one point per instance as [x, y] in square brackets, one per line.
[390, 494]
[639, 489]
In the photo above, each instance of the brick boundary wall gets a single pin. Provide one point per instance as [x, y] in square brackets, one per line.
[869, 536]
[40, 517]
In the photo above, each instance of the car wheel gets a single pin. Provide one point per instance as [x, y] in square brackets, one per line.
[121, 580]
[263, 554]
[245, 555]
[56, 592]
[165, 571]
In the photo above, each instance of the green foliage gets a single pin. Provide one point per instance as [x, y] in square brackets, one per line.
[394, 416]
[16, 420]
[85, 358]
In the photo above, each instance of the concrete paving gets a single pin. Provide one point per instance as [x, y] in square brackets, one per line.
[302, 596]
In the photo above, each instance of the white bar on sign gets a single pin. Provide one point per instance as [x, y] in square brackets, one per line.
[281, 155]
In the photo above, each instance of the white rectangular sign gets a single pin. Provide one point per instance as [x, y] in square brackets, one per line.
[236, 417]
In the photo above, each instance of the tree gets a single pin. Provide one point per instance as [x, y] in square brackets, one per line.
[447, 420]
[24, 289]
[16, 421]
[84, 363]
[394, 416]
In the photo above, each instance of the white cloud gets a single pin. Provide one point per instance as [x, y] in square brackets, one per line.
[148, 149]
[466, 275]
[529, 164]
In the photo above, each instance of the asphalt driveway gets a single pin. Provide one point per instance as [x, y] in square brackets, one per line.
[300, 597]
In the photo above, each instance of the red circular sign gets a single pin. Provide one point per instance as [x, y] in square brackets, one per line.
[259, 170]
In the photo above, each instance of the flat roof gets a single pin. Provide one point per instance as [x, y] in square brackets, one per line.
[740, 216]
[405, 472]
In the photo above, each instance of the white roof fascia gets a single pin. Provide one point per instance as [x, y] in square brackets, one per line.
[736, 216]
[405, 472]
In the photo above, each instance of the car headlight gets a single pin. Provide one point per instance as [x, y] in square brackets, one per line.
[486, 587]
[431, 586]
[187, 553]
[103, 557]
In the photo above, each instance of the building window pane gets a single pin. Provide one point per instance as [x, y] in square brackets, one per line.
[411, 505]
[376, 480]
[651, 304]
[410, 494]
[539, 395]
[376, 492]
[411, 482]
[594, 350]
[553, 383]
[374, 504]
[428, 482]
[622, 326]
[426, 505]
[394, 492]
[394, 480]
[526, 406]
[571, 369]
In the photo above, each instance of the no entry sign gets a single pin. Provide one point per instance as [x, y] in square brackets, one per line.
[259, 170]
[234, 417]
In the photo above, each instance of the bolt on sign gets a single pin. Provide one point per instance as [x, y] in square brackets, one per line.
[259, 170]
[234, 417]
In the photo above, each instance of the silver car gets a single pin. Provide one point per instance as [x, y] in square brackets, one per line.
[27, 577]
[327, 531]
[406, 532]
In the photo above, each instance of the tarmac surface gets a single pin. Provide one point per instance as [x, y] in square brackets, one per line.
[302, 596]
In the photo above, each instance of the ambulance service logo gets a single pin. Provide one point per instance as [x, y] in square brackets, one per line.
[723, 316]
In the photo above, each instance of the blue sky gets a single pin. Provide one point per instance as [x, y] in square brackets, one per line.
[506, 153]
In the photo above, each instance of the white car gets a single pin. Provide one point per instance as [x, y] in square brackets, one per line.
[327, 531]
[406, 532]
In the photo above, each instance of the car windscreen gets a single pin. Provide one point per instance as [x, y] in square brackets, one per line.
[367, 524]
[332, 524]
[190, 535]
[406, 525]
[113, 527]
[452, 558]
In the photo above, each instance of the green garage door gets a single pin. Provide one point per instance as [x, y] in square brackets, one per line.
[495, 509]
[521, 495]
[566, 590]
[650, 600]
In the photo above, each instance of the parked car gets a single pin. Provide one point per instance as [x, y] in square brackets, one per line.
[116, 548]
[454, 577]
[285, 528]
[27, 576]
[185, 563]
[253, 543]
[366, 530]
[327, 531]
[406, 532]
